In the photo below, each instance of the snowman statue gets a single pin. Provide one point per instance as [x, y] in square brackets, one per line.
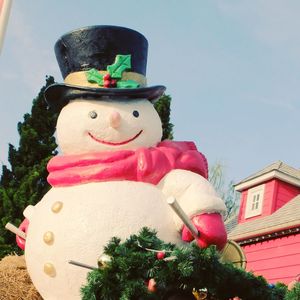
[114, 175]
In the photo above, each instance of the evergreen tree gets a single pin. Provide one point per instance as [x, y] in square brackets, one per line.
[25, 183]
[163, 107]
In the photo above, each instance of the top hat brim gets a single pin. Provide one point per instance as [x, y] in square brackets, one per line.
[58, 95]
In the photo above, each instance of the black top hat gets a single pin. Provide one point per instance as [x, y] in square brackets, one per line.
[101, 62]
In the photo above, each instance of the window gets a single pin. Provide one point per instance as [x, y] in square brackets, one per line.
[254, 201]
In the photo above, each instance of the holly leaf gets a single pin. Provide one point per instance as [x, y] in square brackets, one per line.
[127, 84]
[93, 76]
[122, 63]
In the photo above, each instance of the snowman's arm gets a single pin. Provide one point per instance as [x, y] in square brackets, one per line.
[28, 213]
[193, 192]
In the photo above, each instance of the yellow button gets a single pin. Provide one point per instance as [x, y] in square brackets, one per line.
[48, 237]
[49, 269]
[57, 206]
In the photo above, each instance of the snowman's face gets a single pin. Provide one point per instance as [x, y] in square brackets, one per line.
[90, 126]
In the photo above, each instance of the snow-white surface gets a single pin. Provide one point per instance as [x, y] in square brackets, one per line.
[91, 214]
[75, 124]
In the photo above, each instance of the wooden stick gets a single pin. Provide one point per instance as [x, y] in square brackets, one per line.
[15, 230]
[183, 216]
[79, 264]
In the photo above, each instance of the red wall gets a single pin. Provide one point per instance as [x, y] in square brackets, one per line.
[267, 204]
[285, 192]
[277, 259]
[277, 193]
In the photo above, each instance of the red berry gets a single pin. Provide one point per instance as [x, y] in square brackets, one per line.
[152, 285]
[106, 77]
[106, 83]
[113, 83]
[160, 255]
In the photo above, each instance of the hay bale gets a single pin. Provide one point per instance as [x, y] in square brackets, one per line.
[15, 283]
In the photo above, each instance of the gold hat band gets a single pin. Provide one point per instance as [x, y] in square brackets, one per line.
[79, 79]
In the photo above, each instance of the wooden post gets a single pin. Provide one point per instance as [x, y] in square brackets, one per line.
[15, 230]
[5, 6]
[183, 216]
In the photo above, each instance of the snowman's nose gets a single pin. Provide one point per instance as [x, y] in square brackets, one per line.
[114, 119]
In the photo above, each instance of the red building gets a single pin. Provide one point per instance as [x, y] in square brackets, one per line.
[268, 224]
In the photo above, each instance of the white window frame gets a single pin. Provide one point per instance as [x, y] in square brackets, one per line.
[255, 200]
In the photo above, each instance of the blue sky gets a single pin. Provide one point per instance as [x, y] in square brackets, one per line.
[231, 67]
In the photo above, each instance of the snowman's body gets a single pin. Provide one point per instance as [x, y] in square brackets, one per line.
[80, 220]
[75, 222]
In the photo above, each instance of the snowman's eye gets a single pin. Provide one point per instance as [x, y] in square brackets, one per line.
[93, 114]
[136, 113]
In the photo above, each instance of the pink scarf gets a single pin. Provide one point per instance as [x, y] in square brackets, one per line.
[144, 164]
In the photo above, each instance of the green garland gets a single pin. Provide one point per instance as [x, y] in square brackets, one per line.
[132, 264]
[294, 294]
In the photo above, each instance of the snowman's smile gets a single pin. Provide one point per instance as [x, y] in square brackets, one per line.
[115, 143]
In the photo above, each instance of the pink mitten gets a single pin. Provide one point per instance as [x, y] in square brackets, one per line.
[20, 241]
[211, 228]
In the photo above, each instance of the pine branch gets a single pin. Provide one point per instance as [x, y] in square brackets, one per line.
[134, 262]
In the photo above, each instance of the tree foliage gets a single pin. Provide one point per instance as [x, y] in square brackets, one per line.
[225, 191]
[163, 107]
[25, 182]
[294, 294]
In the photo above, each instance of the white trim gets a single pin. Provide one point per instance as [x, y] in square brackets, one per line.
[270, 175]
[255, 200]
